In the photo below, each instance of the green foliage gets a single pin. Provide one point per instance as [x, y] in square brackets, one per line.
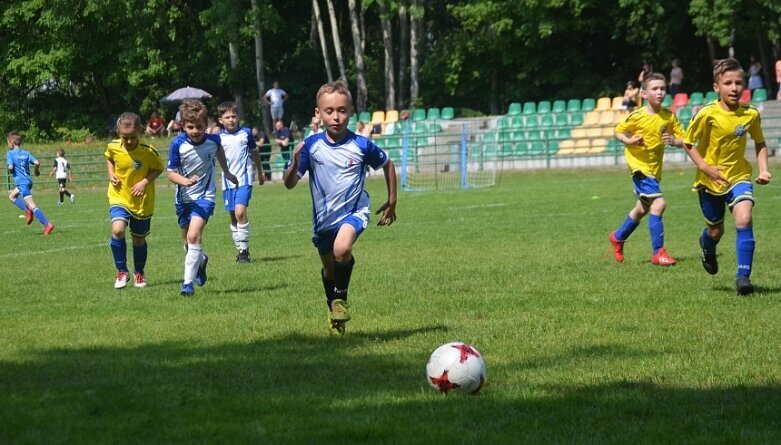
[73, 135]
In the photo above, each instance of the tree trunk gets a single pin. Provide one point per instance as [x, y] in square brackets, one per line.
[416, 15]
[337, 40]
[321, 36]
[236, 87]
[764, 58]
[265, 114]
[711, 50]
[390, 70]
[360, 77]
[403, 53]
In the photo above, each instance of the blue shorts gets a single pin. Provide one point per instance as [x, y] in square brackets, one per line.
[200, 208]
[138, 227]
[237, 196]
[25, 190]
[324, 241]
[646, 187]
[713, 205]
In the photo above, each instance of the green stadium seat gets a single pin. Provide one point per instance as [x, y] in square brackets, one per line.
[589, 104]
[563, 133]
[448, 113]
[353, 119]
[534, 135]
[573, 105]
[684, 116]
[515, 109]
[381, 142]
[561, 120]
[529, 108]
[506, 149]
[614, 146]
[516, 136]
[759, 95]
[395, 155]
[697, 98]
[419, 128]
[544, 107]
[559, 106]
[395, 141]
[576, 119]
[432, 113]
[532, 120]
[549, 134]
[419, 114]
[710, 96]
[537, 148]
[503, 136]
[668, 100]
[435, 127]
[365, 117]
[489, 150]
[517, 122]
[522, 148]
[502, 122]
[546, 120]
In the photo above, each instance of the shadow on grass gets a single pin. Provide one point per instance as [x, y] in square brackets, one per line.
[310, 389]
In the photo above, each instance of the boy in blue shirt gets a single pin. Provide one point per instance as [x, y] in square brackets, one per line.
[336, 161]
[240, 153]
[191, 167]
[18, 162]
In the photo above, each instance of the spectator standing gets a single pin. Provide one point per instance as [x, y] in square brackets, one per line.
[778, 79]
[276, 97]
[676, 78]
[644, 71]
[755, 75]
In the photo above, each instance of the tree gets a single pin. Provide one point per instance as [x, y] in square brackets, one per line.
[360, 76]
[387, 45]
[336, 39]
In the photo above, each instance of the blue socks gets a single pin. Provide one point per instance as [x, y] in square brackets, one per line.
[119, 251]
[19, 202]
[708, 243]
[39, 214]
[139, 258]
[744, 248]
[626, 229]
[656, 228]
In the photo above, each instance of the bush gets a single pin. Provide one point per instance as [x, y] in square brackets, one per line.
[73, 135]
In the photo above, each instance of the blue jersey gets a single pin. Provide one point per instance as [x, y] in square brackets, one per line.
[21, 160]
[237, 148]
[190, 159]
[337, 172]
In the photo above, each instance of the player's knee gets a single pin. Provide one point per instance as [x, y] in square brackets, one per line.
[343, 252]
[715, 232]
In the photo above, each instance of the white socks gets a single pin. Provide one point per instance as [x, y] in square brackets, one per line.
[191, 262]
[240, 234]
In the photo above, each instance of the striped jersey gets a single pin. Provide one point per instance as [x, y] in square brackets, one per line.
[237, 148]
[190, 159]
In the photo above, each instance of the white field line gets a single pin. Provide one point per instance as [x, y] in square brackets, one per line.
[58, 249]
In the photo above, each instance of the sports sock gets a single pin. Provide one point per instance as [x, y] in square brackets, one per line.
[328, 288]
[67, 193]
[242, 232]
[235, 236]
[656, 228]
[626, 229]
[62, 196]
[139, 257]
[119, 251]
[191, 262]
[19, 202]
[744, 247]
[342, 273]
[708, 243]
[39, 214]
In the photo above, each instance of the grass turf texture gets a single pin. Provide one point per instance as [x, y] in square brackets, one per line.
[579, 349]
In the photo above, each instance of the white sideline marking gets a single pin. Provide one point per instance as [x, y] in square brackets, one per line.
[480, 206]
[59, 249]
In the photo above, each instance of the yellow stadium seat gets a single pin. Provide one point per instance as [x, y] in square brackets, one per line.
[578, 133]
[566, 147]
[598, 145]
[609, 131]
[378, 117]
[391, 116]
[592, 118]
[607, 118]
[603, 103]
[618, 103]
[594, 132]
[582, 146]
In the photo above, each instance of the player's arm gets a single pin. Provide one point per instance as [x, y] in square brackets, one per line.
[140, 187]
[764, 173]
[36, 167]
[112, 177]
[224, 165]
[711, 171]
[54, 169]
[291, 175]
[388, 209]
[255, 155]
[70, 172]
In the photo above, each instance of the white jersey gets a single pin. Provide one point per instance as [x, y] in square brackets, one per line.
[276, 96]
[237, 148]
[189, 159]
[61, 168]
[337, 173]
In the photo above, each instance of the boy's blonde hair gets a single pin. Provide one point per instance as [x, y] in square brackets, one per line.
[193, 111]
[227, 106]
[13, 138]
[653, 76]
[129, 120]
[338, 86]
[725, 65]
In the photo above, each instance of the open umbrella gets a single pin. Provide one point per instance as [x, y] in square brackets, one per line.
[185, 93]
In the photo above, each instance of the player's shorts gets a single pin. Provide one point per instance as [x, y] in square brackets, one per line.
[237, 196]
[277, 112]
[646, 187]
[139, 227]
[324, 241]
[25, 189]
[61, 182]
[713, 205]
[200, 208]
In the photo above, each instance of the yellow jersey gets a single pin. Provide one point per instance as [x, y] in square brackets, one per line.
[131, 167]
[647, 158]
[721, 136]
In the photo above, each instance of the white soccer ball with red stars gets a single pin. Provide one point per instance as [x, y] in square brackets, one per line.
[456, 366]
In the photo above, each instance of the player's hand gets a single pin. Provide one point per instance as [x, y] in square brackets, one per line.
[37, 171]
[139, 188]
[668, 139]
[764, 178]
[388, 211]
[192, 180]
[261, 178]
[232, 178]
[116, 182]
[715, 175]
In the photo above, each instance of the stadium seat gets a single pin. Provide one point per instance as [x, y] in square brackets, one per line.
[505, 149]
[607, 117]
[378, 117]
[365, 117]
[573, 105]
[517, 122]
[614, 146]
[534, 135]
[582, 146]
[432, 113]
[503, 136]
[759, 95]
[381, 142]
[559, 106]
[537, 148]
[395, 141]
[697, 98]
[603, 103]
[529, 108]
[563, 133]
[592, 118]
[353, 119]
[515, 109]
[617, 103]
[419, 128]
[684, 116]
[561, 120]
[419, 114]
[609, 131]
[667, 101]
[578, 133]
[502, 122]
[745, 97]
[448, 113]
[680, 100]
[549, 134]
[710, 96]
[566, 147]
[435, 127]
[543, 106]
[546, 120]
[391, 116]
[594, 132]
[589, 104]
[576, 119]
[532, 120]
[598, 145]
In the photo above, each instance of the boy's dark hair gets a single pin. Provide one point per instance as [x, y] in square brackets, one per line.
[60, 152]
[724, 65]
[228, 105]
[653, 76]
[193, 111]
[14, 137]
[338, 86]
[128, 119]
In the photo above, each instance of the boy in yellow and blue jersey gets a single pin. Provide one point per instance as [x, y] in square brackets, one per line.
[132, 168]
[646, 132]
[716, 143]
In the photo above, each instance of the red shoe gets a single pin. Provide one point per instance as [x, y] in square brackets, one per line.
[618, 247]
[48, 229]
[28, 216]
[662, 259]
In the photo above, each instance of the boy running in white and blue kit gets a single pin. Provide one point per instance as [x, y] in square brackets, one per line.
[191, 168]
[18, 162]
[240, 153]
[336, 161]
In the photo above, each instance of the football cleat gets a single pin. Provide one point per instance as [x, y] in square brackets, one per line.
[121, 281]
[187, 290]
[139, 280]
[28, 216]
[48, 229]
[662, 259]
[243, 256]
[743, 285]
[709, 261]
[72, 196]
[200, 277]
[618, 247]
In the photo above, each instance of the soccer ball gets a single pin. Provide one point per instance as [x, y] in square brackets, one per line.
[456, 366]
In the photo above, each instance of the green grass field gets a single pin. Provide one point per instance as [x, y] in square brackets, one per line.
[579, 349]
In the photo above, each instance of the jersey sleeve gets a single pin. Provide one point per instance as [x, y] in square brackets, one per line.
[174, 159]
[694, 133]
[375, 157]
[32, 159]
[677, 132]
[755, 130]
[157, 163]
[303, 162]
[251, 145]
[626, 126]
[9, 162]
[109, 154]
